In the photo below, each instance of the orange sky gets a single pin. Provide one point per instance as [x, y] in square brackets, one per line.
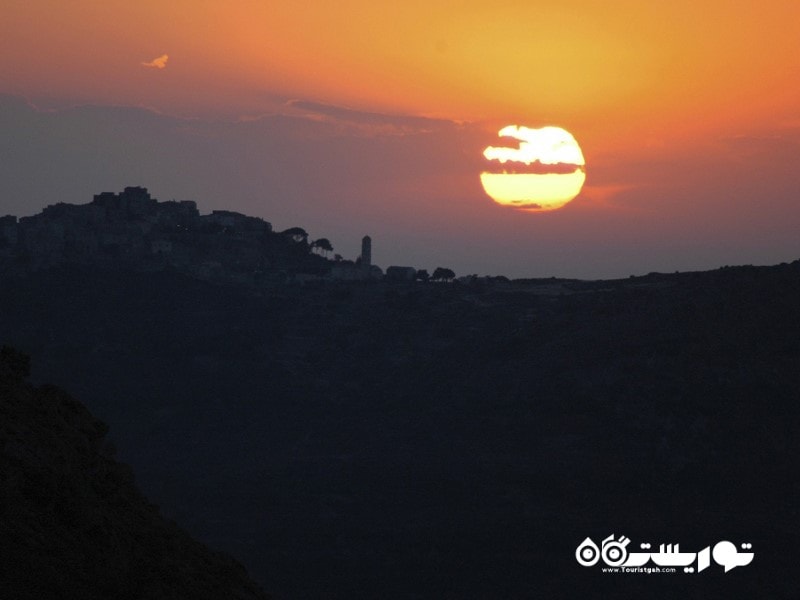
[654, 92]
[580, 61]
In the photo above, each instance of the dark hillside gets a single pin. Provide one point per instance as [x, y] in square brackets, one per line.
[445, 440]
[73, 525]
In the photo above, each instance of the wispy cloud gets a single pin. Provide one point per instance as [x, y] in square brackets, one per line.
[157, 63]
[366, 123]
[606, 195]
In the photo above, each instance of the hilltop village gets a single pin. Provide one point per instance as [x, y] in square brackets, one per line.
[131, 229]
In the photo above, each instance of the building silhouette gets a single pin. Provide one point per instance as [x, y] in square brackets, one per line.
[366, 252]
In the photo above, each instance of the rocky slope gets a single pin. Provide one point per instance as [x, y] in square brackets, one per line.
[72, 523]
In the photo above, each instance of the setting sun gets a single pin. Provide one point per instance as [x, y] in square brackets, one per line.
[545, 171]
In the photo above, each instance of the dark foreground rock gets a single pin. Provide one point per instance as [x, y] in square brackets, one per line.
[72, 523]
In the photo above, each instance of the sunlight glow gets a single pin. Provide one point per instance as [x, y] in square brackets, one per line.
[533, 191]
[545, 172]
[548, 145]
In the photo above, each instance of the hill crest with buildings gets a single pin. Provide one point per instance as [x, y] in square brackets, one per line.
[131, 229]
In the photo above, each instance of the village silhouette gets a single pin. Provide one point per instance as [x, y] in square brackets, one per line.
[130, 229]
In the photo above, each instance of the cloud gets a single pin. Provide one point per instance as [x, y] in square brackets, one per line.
[367, 123]
[765, 153]
[157, 63]
[606, 195]
[791, 124]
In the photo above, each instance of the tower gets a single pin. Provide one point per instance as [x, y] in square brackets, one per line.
[366, 252]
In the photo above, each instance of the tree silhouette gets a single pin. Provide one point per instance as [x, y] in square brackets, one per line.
[298, 234]
[442, 273]
[423, 275]
[323, 244]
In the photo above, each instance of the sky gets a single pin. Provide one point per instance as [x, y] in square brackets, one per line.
[357, 117]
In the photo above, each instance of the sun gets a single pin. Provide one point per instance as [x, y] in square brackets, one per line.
[545, 171]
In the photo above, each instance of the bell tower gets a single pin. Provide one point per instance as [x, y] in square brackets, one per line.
[366, 252]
